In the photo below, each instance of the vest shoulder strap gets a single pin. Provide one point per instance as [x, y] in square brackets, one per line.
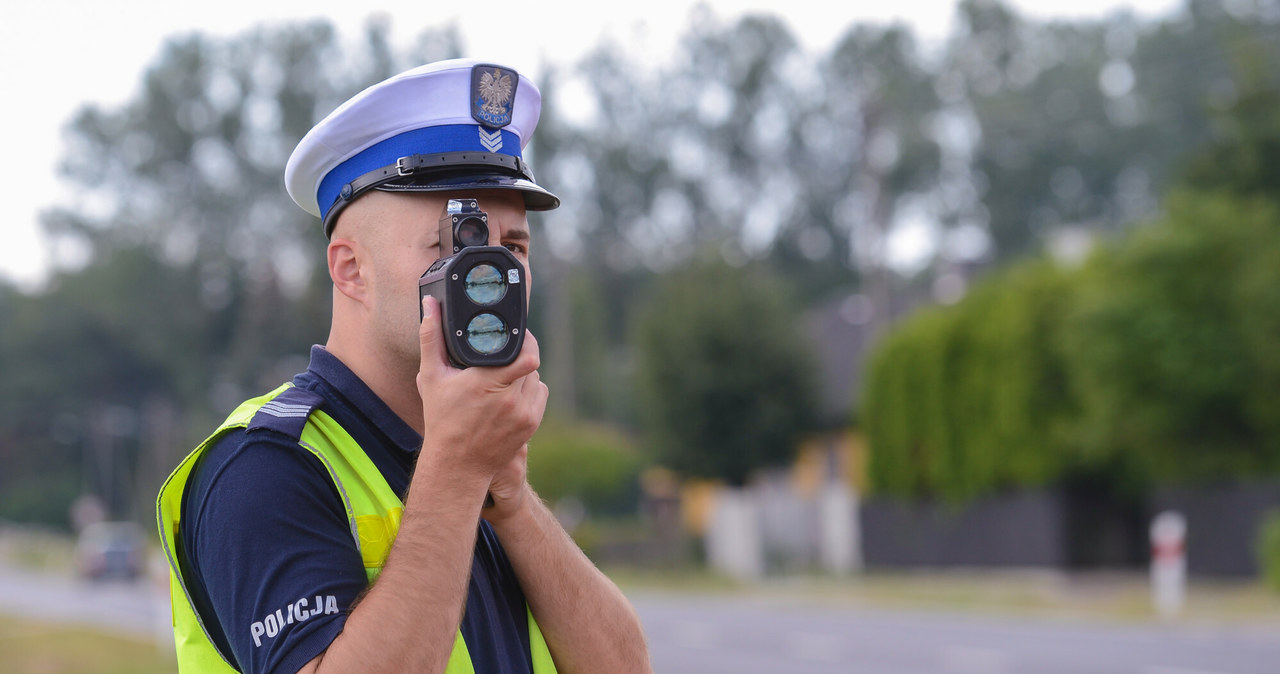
[286, 413]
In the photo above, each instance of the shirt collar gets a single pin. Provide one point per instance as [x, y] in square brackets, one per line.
[333, 372]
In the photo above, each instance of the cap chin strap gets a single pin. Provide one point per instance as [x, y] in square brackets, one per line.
[416, 166]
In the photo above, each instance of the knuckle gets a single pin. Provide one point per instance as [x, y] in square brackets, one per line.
[530, 360]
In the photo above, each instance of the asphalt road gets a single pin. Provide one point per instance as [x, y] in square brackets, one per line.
[696, 634]
[138, 609]
[709, 634]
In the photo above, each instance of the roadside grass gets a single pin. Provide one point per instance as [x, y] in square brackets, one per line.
[37, 548]
[33, 647]
[1090, 596]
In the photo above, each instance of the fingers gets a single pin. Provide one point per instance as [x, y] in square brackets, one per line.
[534, 393]
[481, 414]
[527, 362]
[531, 349]
[534, 379]
[531, 382]
[430, 335]
[522, 377]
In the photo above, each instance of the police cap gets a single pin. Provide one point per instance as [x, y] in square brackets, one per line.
[450, 125]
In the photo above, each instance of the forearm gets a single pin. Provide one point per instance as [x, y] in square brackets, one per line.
[588, 624]
[408, 619]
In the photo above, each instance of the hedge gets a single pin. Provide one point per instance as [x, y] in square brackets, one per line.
[1155, 361]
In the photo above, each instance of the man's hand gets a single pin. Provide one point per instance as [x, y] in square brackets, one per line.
[478, 420]
[508, 489]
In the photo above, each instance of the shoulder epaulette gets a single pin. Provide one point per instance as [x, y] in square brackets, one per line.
[286, 413]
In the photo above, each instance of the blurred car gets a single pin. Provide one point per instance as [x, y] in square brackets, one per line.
[111, 550]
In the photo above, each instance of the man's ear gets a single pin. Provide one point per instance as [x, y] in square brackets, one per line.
[345, 269]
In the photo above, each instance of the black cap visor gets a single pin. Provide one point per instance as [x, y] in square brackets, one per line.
[452, 172]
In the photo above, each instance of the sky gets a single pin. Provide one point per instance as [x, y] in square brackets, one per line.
[58, 56]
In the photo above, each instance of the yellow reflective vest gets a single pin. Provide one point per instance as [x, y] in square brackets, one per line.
[373, 512]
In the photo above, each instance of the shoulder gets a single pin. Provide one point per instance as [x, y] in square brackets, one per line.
[267, 439]
[248, 470]
[286, 414]
[264, 526]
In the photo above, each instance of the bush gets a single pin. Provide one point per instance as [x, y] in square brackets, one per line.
[40, 499]
[1269, 549]
[594, 464]
[1154, 363]
[969, 399]
[725, 377]
[1171, 343]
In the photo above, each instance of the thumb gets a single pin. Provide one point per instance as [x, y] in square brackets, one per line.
[430, 334]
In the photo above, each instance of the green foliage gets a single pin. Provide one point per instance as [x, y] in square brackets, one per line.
[95, 350]
[1169, 342]
[1244, 157]
[1269, 549]
[594, 464]
[1088, 122]
[725, 385]
[1154, 362]
[965, 400]
[40, 499]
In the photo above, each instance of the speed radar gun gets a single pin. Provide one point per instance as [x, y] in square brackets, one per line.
[480, 289]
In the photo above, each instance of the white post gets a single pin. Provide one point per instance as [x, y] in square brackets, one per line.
[733, 539]
[839, 529]
[1168, 563]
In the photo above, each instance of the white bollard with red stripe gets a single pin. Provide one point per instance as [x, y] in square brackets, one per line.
[1169, 563]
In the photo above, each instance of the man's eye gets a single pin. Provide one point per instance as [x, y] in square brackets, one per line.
[515, 248]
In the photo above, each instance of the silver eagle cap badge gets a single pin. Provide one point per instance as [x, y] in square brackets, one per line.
[493, 94]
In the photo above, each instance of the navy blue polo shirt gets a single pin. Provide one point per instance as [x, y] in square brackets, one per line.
[265, 537]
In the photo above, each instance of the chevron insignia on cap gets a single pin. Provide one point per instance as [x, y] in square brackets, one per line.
[491, 140]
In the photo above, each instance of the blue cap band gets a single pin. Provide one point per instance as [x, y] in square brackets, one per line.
[429, 140]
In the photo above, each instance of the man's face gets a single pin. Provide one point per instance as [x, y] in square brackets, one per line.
[400, 231]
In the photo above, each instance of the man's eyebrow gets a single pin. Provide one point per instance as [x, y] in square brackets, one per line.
[516, 235]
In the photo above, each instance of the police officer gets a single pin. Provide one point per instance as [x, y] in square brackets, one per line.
[339, 523]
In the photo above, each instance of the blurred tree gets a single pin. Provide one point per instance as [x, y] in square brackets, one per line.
[1150, 364]
[200, 283]
[652, 165]
[741, 145]
[1166, 343]
[1243, 154]
[1154, 363]
[1082, 124]
[1047, 149]
[966, 400]
[191, 169]
[724, 378]
[92, 355]
[732, 107]
[872, 156]
[595, 466]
